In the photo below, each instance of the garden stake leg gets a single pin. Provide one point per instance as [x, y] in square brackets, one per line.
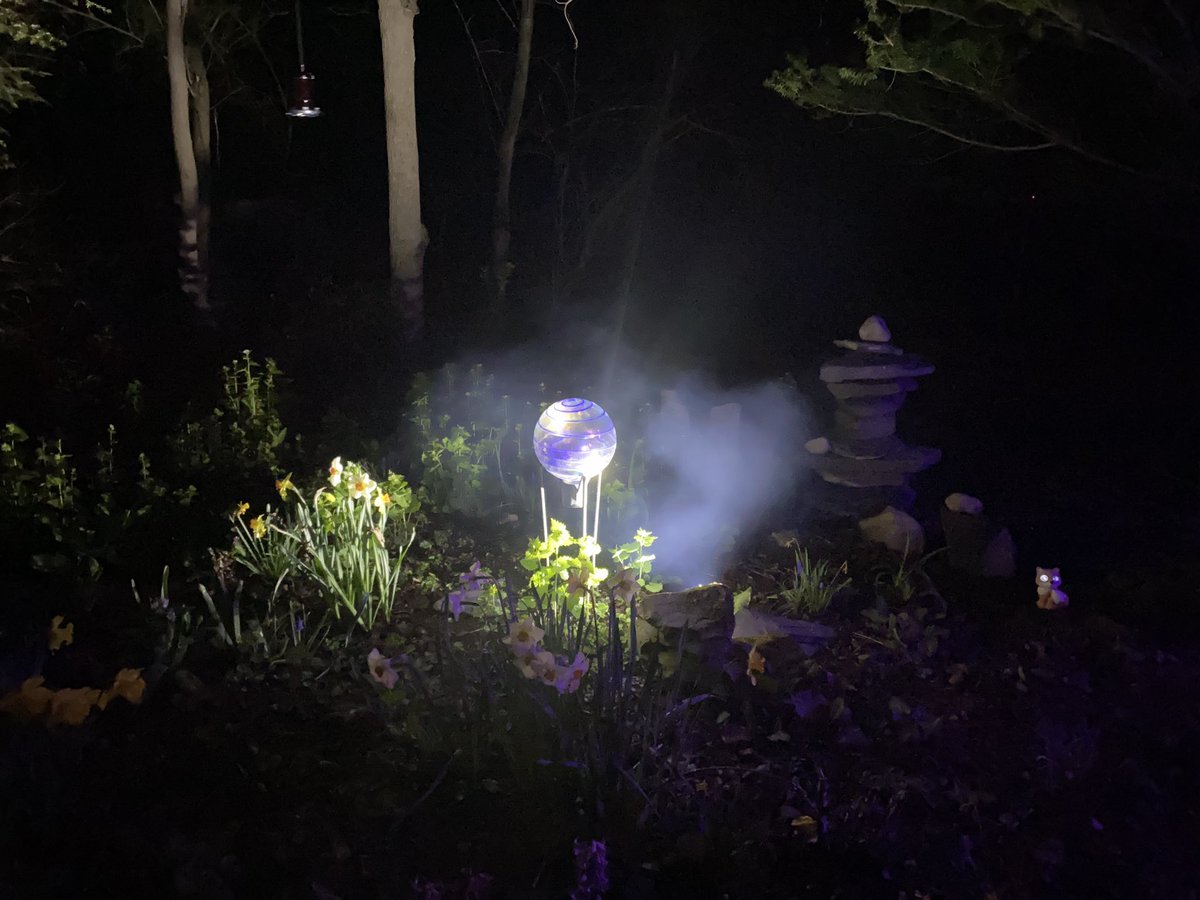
[545, 527]
[596, 519]
[583, 492]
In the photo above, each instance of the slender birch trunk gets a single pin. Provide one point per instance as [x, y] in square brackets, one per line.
[192, 276]
[407, 236]
[501, 220]
[201, 116]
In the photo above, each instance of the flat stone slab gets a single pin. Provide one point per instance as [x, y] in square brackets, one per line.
[870, 347]
[875, 448]
[700, 609]
[839, 501]
[859, 365]
[872, 406]
[846, 390]
[890, 471]
[753, 625]
[862, 479]
[848, 427]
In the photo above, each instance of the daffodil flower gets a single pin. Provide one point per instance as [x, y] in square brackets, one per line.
[545, 667]
[241, 509]
[362, 486]
[625, 584]
[381, 669]
[335, 471]
[284, 485]
[523, 635]
[60, 635]
[258, 527]
[382, 501]
[527, 661]
[577, 583]
[568, 678]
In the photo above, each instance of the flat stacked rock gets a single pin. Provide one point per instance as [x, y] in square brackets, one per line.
[870, 381]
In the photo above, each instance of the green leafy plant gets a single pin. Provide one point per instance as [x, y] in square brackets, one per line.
[907, 580]
[349, 540]
[244, 431]
[81, 519]
[910, 632]
[814, 584]
[473, 446]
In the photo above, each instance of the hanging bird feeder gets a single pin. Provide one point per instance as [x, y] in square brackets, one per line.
[304, 105]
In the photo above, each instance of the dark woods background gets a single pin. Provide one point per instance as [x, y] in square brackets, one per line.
[1057, 298]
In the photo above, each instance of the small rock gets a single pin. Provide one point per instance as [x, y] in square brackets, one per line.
[964, 503]
[875, 329]
[896, 530]
[187, 682]
[818, 446]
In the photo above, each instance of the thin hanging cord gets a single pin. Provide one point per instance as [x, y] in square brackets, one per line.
[299, 36]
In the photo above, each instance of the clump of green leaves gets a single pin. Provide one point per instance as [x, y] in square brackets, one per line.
[244, 431]
[349, 540]
[907, 580]
[72, 521]
[814, 584]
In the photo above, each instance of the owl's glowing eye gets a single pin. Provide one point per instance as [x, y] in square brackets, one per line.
[1043, 577]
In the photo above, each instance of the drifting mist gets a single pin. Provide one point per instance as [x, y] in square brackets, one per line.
[717, 459]
[723, 459]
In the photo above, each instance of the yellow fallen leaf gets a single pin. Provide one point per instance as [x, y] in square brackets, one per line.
[60, 635]
[70, 706]
[30, 700]
[756, 665]
[128, 683]
[806, 826]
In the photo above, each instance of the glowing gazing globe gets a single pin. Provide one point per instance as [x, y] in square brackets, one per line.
[574, 439]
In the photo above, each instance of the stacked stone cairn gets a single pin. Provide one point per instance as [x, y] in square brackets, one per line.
[870, 381]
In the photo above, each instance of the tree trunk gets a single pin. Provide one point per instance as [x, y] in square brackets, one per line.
[406, 233]
[501, 231]
[192, 277]
[201, 116]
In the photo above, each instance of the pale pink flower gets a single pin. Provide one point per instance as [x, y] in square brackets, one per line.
[568, 678]
[381, 669]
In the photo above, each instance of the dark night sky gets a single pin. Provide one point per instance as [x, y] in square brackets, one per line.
[1061, 325]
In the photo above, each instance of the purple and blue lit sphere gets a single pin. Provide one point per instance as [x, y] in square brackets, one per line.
[574, 439]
